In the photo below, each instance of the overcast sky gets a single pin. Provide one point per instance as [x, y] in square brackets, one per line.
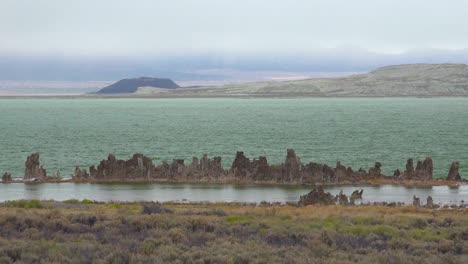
[110, 39]
[143, 27]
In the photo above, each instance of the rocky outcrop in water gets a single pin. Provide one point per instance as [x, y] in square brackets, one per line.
[7, 177]
[256, 170]
[316, 172]
[138, 166]
[34, 170]
[243, 169]
[453, 174]
[317, 196]
[207, 168]
[416, 201]
[80, 174]
[241, 166]
[430, 202]
[357, 194]
[178, 169]
[376, 171]
[423, 170]
[292, 167]
[342, 198]
[293, 171]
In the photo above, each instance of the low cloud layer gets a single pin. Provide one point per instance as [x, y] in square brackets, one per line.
[210, 66]
[191, 40]
[157, 27]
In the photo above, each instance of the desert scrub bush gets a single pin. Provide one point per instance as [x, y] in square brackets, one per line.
[151, 245]
[87, 201]
[114, 206]
[359, 220]
[177, 235]
[76, 201]
[419, 223]
[88, 220]
[426, 234]
[237, 218]
[217, 212]
[71, 201]
[24, 204]
[196, 233]
[154, 208]
[214, 211]
[200, 224]
[332, 222]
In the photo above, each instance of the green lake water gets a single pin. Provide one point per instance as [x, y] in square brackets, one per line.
[357, 131]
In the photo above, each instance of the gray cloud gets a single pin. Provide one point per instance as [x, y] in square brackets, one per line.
[116, 27]
[180, 39]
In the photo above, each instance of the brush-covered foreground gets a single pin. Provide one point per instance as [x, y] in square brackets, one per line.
[88, 232]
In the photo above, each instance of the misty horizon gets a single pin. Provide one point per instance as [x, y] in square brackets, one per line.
[56, 47]
[201, 41]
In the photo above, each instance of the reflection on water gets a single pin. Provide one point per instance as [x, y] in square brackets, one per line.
[218, 192]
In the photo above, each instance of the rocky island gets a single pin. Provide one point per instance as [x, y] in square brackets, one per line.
[140, 168]
[126, 86]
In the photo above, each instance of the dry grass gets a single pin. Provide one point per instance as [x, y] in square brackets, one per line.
[85, 232]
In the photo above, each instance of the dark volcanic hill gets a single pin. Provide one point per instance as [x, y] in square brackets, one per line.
[131, 85]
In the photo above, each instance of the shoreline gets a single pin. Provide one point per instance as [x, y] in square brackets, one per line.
[49, 203]
[135, 96]
[233, 181]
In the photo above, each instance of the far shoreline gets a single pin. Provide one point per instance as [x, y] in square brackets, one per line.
[369, 183]
[130, 96]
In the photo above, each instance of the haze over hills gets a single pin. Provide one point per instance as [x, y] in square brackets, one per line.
[397, 80]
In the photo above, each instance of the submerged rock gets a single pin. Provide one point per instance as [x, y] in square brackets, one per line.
[429, 202]
[342, 198]
[7, 177]
[416, 201]
[33, 168]
[453, 174]
[80, 174]
[317, 196]
[57, 175]
[357, 194]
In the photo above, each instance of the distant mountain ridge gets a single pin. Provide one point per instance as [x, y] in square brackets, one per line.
[126, 86]
[416, 80]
